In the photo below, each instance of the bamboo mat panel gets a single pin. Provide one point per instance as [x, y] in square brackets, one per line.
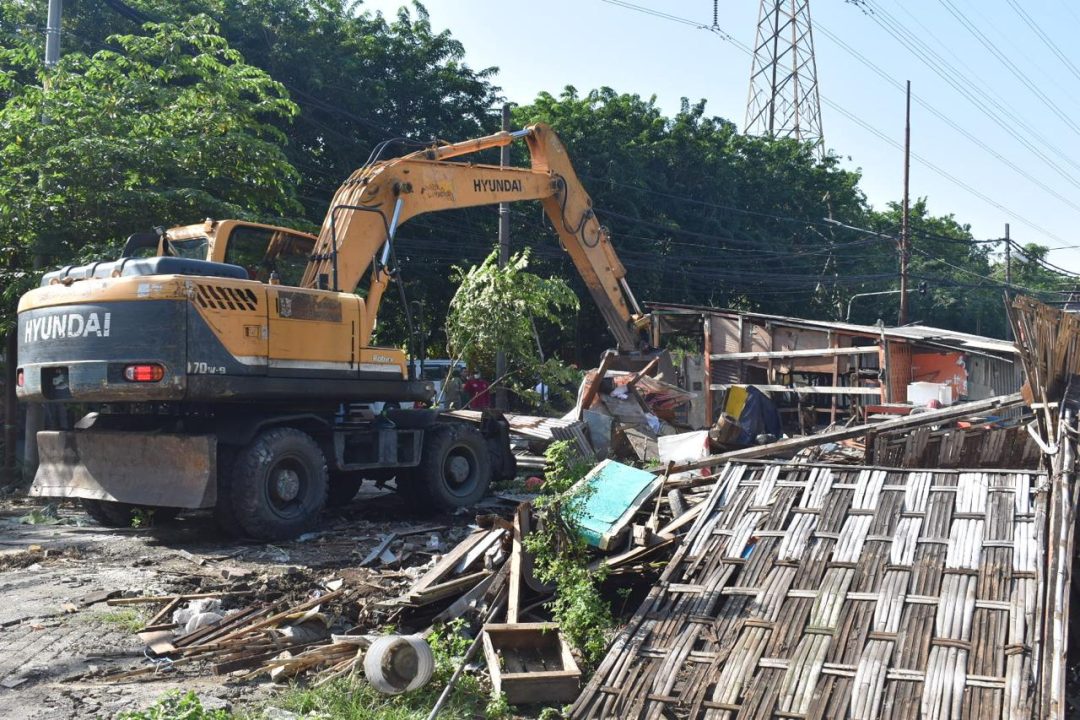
[825, 592]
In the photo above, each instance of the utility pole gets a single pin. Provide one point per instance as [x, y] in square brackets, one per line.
[52, 34]
[504, 257]
[1008, 282]
[905, 229]
[35, 413]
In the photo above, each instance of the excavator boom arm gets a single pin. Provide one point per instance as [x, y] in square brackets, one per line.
[377, 199]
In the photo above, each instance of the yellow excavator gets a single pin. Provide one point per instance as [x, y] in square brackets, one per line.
[229, 363]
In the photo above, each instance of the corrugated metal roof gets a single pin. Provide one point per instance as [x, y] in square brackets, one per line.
[919, 333]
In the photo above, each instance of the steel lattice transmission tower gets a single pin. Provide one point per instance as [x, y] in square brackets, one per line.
[784, 100]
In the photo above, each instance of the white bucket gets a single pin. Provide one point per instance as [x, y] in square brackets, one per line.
[398, 663]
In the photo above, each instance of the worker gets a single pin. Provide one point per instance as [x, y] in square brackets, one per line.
[541, 390]
[452, 397]
[476, 388]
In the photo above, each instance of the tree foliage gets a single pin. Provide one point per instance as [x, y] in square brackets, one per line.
[161, 115]
[497, 308]
[170, 127]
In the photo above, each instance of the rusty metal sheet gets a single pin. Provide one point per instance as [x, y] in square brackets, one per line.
[164, 470]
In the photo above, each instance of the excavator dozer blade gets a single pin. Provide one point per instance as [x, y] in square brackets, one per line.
[151, 470]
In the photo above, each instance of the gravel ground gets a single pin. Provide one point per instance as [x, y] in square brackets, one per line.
[54, 645]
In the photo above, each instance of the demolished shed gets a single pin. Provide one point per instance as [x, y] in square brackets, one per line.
[831, 369]
[892, 589]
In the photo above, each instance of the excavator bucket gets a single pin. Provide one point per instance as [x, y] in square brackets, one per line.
[142, 469]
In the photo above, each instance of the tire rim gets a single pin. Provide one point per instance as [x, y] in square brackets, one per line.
[460, 471]
[286, 487]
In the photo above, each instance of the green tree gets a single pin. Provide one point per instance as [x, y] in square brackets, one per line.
[952, 279]
[698, 212]
[497, 308]
[170, 127]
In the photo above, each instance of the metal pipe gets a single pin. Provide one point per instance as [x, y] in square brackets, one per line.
[394, 219]
[847, 318]
[52, 34]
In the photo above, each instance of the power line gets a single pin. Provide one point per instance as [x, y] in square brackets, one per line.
[1010, 65]
[984, 101]
[943, 173]
[858, 121]
[1030, 22]
[947, 120]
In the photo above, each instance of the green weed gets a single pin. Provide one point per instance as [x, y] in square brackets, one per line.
[562, 556]
[174, 706]
[126, 618]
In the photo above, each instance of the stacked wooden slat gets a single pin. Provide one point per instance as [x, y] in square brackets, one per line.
[823, 592]
[957, 447]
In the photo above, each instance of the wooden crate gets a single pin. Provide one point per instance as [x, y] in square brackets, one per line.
[531, 662]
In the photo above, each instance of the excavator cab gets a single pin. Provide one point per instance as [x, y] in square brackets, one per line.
[268, 253]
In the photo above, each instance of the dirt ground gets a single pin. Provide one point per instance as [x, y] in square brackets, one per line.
[54, 646]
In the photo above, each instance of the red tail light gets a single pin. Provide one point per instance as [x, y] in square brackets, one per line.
[144, 373]
[20, 378]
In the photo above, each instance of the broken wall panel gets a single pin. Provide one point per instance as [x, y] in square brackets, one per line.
[941, 367]
[822, 592]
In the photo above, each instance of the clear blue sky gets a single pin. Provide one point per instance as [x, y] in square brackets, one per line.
[1035, 93]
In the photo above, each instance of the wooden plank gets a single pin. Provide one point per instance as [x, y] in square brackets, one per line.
[274, 619]
[159, 641]
[164, 612]
[789, 354]
[435, 593]
[446, 564]
[208, 633]
[594, 387]
[807, 390]
[791, 445]
[513, 600]
[169, 598]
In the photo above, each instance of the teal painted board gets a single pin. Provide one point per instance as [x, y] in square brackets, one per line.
[618, 492]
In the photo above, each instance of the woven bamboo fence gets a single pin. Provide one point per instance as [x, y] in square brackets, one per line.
[841, 592]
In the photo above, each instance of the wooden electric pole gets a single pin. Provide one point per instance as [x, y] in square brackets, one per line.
[1008, 282]
[905, 229]
[35, 413]
[504, 257]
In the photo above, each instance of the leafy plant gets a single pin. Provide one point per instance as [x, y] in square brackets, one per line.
[164, 126]
[352, 698]
[174, 706]
[126, 619]
[561, 555]
[497, 308]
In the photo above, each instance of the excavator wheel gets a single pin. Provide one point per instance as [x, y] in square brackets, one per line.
[454, 469]
[120, 515]
[277, 486]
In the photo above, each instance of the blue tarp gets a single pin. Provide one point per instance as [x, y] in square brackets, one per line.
[759, 416]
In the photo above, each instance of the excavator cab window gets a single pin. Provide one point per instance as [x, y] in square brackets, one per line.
[191, 248]
[262, 251]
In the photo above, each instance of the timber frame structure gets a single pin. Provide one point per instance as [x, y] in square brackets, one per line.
[835, 369]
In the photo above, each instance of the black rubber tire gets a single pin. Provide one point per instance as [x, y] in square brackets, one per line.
[454, 469]
[224, 512]
[278, 485]
[343, 488]
[123, 515]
